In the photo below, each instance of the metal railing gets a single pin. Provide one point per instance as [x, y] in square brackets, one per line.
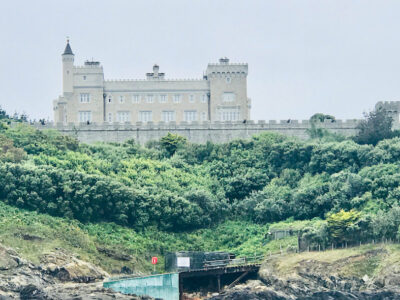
[213, 264]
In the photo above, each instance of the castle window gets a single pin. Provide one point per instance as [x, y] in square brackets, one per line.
[85, 116]
[204, 116]
[135, 99]
[228, 97]
[190, 115]
[204, 98]
[177, 98]
[145, 116]
[110, 117]
[228, 80]
[85, 97]
[123, 116]
[109, 98]
[163, 98]
[84, 77]
[168, 116]
[121, 99]
[149, 99]
[191, 98]
[229, 114]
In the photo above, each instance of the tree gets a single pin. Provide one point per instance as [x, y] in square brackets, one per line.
[319, 117]
[343, 225]
[8, 152]
[316, 132]
[172, 142]
[377, 126]
[3, 114]
[386, 224]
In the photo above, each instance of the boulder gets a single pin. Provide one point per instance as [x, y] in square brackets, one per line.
[8, 258]
[66, 267]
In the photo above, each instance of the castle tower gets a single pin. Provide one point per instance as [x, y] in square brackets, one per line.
[68, 65]
[228, 91]
[392, 108]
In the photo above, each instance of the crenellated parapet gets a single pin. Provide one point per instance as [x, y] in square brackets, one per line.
[165, 80]
[203, 124]
[197, 132]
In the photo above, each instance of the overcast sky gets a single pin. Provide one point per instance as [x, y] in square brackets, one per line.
[338, 57]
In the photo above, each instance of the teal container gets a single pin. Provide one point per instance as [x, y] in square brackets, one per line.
[162, 286]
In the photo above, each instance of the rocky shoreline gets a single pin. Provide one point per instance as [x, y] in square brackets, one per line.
[369, 275]
[317, 280]
[59, 276]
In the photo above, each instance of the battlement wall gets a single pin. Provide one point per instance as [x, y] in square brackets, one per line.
[164, 80]
[196, 132]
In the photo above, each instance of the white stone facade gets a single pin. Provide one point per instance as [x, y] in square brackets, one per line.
[221, 95]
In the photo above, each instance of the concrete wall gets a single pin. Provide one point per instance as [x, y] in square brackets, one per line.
[195, 132]
[163, 286]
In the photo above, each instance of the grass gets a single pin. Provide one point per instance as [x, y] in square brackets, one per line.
[348, 262]
[33, 234]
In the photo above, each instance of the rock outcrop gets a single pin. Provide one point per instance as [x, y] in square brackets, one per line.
[313, 279]
[59, 276]
[66, 267]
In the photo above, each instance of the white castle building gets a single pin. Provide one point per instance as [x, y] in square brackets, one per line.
[221, 95]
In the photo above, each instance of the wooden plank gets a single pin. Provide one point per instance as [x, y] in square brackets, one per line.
[237, 279]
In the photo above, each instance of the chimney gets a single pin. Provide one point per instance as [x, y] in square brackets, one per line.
[224, 61]
[155, 70]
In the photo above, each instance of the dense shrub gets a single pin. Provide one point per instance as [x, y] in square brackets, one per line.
[176, 185]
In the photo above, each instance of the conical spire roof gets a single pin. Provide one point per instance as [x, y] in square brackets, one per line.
[68, 50]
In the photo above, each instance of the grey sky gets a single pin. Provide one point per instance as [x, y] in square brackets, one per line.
[336, 57]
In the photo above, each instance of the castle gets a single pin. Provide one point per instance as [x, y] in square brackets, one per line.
[221, 95]
[214, 108]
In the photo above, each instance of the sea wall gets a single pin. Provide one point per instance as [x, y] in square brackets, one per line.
[216, 132]
[161, 286]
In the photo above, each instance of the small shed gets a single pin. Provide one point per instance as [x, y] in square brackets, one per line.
[195, 260]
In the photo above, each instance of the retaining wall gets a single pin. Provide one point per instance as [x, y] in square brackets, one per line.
[162, 286]
[216, 132]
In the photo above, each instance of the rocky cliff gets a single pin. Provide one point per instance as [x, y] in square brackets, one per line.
[370, 273]
[58, 276]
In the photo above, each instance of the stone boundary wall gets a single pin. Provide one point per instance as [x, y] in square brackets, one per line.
[216, 132]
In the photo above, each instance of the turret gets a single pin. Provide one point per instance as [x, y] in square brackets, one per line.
[155, 75]
[68, 65]
[228, 91]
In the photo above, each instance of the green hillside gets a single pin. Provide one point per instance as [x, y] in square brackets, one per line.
[119, 204]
